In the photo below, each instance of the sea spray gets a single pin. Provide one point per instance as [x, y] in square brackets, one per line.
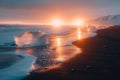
[29, 39]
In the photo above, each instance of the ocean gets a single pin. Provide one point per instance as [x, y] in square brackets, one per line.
[25, 49]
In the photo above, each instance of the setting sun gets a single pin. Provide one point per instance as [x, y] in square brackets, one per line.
[78, 23]
[57, 23]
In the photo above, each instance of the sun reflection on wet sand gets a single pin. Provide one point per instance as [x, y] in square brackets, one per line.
[79, 32]
[58, 41]
[49, 59]
[66, 53]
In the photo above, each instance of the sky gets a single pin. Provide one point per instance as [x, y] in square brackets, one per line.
[44, 11]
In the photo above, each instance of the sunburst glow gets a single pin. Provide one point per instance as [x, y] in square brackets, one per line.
[78, 23]
[57, 23]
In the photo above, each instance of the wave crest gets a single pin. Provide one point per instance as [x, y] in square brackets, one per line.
[28, 39]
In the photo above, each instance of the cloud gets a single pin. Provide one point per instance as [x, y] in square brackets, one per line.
[57, 3]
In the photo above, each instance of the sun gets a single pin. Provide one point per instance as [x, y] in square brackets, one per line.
[57, 23]
[78, 23]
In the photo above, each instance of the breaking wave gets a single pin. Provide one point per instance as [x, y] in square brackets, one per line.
[28, 39]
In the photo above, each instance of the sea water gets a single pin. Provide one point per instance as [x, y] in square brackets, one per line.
[34, 58]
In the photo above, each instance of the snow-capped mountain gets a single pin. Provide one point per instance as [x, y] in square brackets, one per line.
[106, 20]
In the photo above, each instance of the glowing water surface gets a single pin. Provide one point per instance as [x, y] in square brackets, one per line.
[41, 58]
[59, 50]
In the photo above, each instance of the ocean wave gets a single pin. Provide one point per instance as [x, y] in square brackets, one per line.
[28, 39]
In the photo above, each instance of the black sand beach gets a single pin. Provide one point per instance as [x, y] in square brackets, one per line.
[99, 60]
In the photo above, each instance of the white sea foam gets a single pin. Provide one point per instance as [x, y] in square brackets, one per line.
[31, 39]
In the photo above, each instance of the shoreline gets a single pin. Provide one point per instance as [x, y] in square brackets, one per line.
[98, 61]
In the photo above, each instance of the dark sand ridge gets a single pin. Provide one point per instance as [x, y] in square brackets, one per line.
[99, 60]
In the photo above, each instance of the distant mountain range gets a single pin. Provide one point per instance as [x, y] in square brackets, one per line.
[106, 20]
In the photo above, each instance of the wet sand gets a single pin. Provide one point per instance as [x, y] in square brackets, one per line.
[99, 60]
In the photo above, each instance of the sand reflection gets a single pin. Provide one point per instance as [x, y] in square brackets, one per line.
[47, 58]
[58, 41]
[79, 33]
[65, 53]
